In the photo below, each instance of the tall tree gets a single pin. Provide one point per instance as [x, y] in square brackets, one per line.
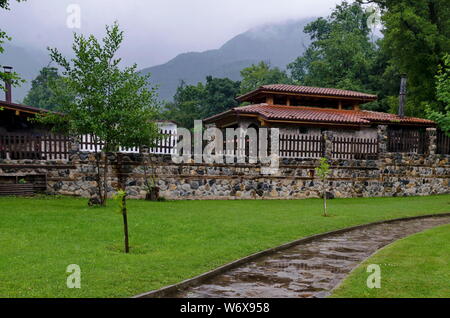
[443, 97]
[187, 105]
[40, 95]
[13, 77]
[104, 100]
[341, 54]
[199, 101]
[416, 37]
[261, 74]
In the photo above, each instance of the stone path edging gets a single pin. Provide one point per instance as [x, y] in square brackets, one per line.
[162, 292]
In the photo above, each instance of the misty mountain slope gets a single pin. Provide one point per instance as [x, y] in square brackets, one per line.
[27, 62]
[278, 44]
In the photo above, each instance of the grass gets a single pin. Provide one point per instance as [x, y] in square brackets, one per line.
[417, 266]
[170, 241]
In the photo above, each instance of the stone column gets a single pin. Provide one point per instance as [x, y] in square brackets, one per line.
[432, 145]
[382, 139]
[328, 136]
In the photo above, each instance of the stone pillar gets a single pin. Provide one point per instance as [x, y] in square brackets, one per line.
[74, 144]
[382, 139]
[432, 145]
[328, 137]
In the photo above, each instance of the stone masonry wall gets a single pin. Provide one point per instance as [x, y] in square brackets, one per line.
[392, 174]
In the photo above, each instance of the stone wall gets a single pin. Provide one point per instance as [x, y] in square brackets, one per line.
[392, 174]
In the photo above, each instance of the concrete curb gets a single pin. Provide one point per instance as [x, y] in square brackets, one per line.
[164, 291]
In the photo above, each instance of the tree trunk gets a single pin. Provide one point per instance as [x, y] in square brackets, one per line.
[324, 200]
[125, 224]
[105, 179]
[99, 177]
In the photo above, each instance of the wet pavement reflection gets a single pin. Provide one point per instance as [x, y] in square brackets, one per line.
[310, 269]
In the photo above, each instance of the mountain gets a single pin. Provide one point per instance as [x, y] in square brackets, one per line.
[278, 44]
[27, 62]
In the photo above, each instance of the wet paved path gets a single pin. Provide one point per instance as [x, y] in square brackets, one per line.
[310, 269]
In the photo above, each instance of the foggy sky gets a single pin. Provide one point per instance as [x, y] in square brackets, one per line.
[155, 30]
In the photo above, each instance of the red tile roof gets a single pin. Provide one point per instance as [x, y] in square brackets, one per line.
[325, 115]
[309, 90]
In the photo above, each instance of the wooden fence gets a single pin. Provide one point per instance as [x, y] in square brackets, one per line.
[442, 143]
[414, 141]
[53, 147]
[301, 146]
[164, 145]
[354, 148]
[37, 147]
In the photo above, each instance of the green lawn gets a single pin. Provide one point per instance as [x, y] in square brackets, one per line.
[416, 266]
[171, 241]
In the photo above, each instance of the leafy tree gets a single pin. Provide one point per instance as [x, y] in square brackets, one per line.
[104, 100]
[416, 37]
[220, 95]
[13, 77]
[261, 74]
[40, 94]
[187, 104]
[199, 101]
[443, 96]
[341, 54]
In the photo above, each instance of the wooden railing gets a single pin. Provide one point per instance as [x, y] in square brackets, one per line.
[414, 141]
[442, 143]
[37, 147]
[355, 148]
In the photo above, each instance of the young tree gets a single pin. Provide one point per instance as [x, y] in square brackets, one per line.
[40, 95]
[261, 74]
[323, 171]
[111, 103]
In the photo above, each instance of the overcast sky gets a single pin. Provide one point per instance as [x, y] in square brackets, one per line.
[155, 30]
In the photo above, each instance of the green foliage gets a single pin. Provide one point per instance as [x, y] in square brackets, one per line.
[341, 54]
[99, 98]
[261, 74]
[22, 181]
[41, 94]
[13, 77]
[416, 37]
[199, 101]
[118, 197]
[443, 97]
[323, 170]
